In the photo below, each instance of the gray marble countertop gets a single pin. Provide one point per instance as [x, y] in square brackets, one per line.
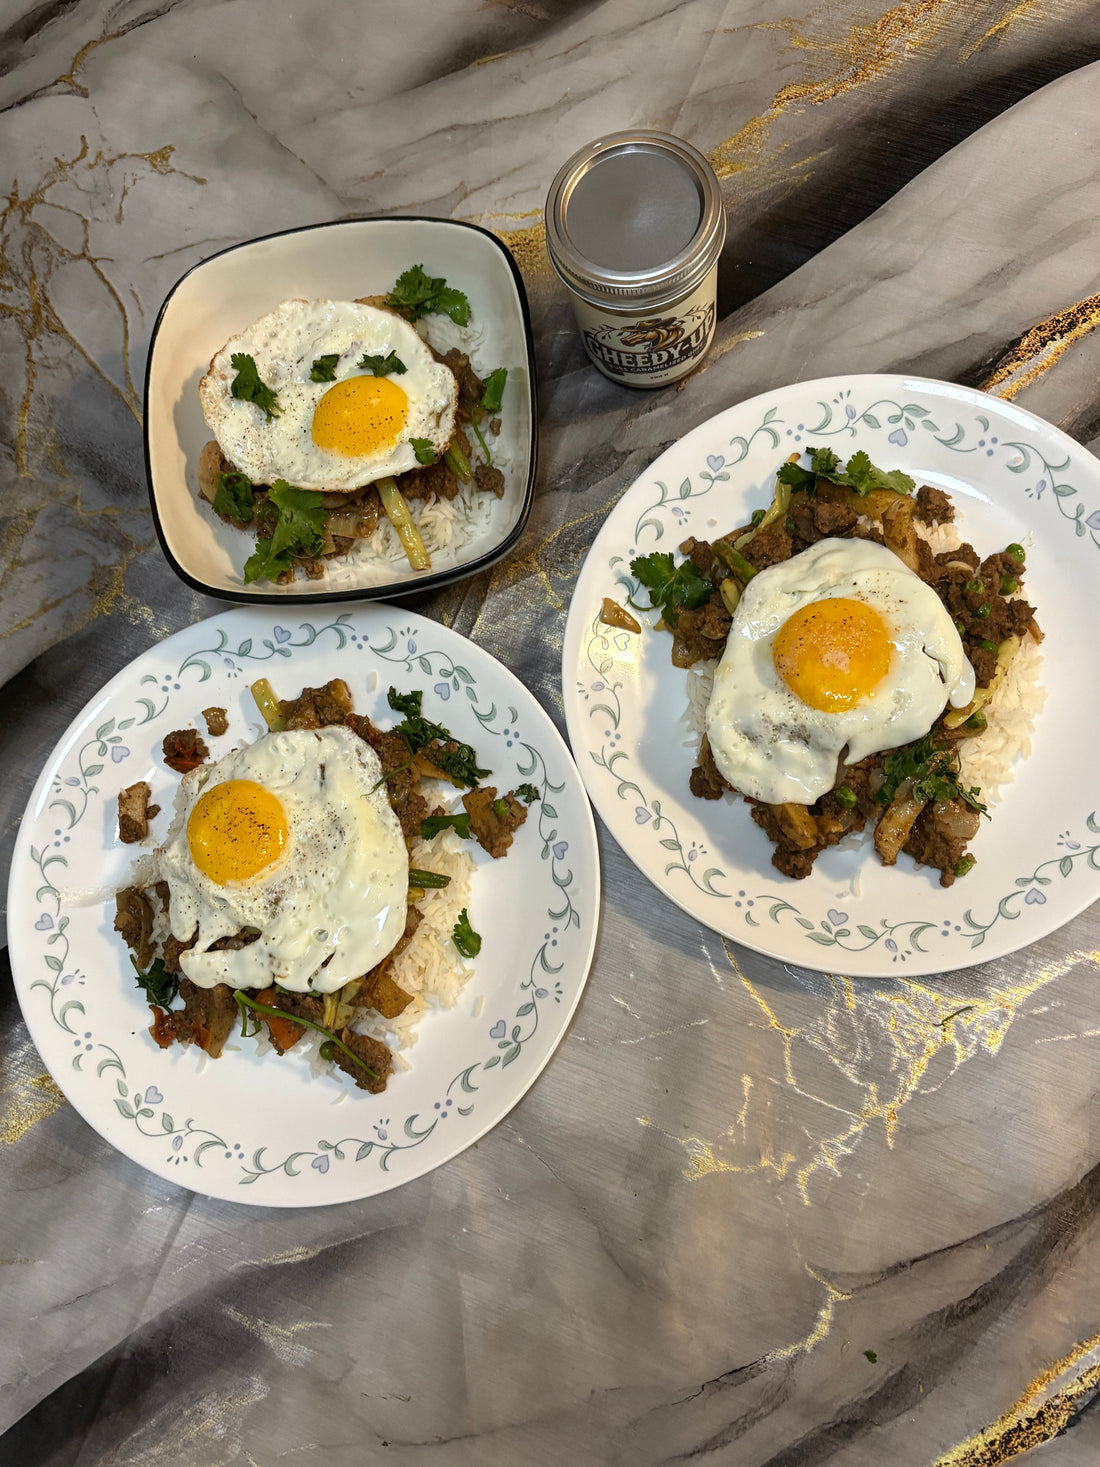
[749, 1214]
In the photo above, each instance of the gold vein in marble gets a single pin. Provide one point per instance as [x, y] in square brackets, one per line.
[846, 61]
[25, 1103]
[916, 1020]
[280, 1339]
[1042, 348]
[1008, 19]
[822, 1324]
[527, 246]
[31, 255]
[1027, 1424]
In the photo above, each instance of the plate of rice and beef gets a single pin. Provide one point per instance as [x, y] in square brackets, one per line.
[342, 411]
[823, 675]
[301, 905]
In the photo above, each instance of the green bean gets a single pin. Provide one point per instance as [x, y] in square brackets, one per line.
[427, 879]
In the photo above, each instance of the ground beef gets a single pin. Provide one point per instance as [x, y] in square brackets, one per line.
[470, 386]
[206, 1019]
[135, 812]
[373, 1053]
[940, 834]
[492, 826]
[216, 721]
[432, 479]
[933, 507]
[834, 519]
[402, 782]
[770, 545]
[706, 782]
[184, 750]
[489, 479]
[134, 920]
[318, 707]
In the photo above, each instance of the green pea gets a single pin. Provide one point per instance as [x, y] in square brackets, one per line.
[983, 610]
[327, 1050]
[758, 515]
[973, 587]
[960, 626]
[1017, 552]
[963, 865]
[977, 720]
[846, 797]
[987, 646]
[1008, 585]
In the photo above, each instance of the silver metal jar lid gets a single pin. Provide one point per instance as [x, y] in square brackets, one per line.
[635, 217]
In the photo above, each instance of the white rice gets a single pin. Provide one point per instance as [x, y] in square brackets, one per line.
[431, 967]
[986, 760]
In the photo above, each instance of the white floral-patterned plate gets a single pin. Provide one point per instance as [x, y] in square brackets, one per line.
[266, 1130]
[1014, 478]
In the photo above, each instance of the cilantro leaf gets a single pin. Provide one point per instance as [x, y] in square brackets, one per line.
[233, 498]
[934, 770]
[796, 476]
[671, 587]
[860, 474]
[417, 294]
[159, 985]
[527, 793]
[865, 476]
[422, 447]
[324, 367]
[296, 531]
[433, 824]
[494, 390]
[464, 937]
[382, 366]
[247, 387]
[460, 762]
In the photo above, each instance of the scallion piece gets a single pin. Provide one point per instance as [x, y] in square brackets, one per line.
[268, 704]
[733, 560]
[457, 462]
[400, 517]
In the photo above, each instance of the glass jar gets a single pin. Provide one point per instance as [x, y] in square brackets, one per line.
[634, 227]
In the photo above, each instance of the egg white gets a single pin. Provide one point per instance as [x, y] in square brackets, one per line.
[333, 906]
[284, 345]
[772, 746]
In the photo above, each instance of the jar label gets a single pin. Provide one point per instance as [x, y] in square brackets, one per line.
[649, 350]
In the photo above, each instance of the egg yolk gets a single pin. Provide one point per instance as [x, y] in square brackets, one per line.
[236, 830]
[833, 654]
[360, 415]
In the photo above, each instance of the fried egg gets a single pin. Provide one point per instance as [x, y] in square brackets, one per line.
[293, 837]
[338, 434]
[842, 650]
